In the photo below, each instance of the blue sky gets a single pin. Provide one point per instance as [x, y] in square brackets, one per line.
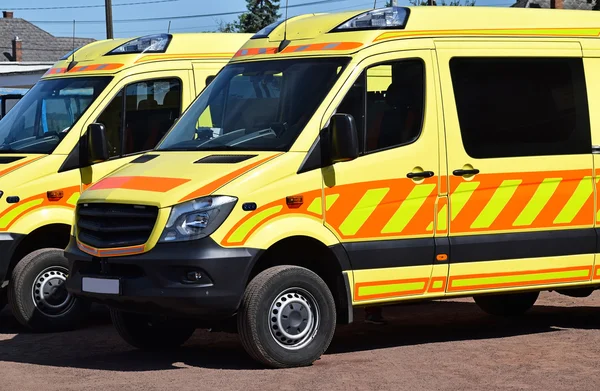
[92, 19]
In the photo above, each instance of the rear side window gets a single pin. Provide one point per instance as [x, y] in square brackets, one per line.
[511, 107]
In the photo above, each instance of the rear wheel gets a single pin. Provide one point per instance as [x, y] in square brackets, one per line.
[148, 332]
[287, 317]
[37, 294]
[510, 304]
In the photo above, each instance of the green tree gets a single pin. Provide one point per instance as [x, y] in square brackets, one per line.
[261, 13]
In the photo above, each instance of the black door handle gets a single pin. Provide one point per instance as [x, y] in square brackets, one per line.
[473, 171]
[422, 174]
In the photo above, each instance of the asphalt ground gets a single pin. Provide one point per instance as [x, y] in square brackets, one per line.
[442, 345]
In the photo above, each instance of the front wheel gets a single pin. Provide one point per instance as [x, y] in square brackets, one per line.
[287, 317]
[509, 304]
[37, 294]
[147, 332]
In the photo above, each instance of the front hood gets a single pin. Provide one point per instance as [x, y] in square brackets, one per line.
[166, 178]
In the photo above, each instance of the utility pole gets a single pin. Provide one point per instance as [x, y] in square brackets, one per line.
[109, 22]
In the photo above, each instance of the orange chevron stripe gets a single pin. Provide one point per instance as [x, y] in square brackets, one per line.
[20, 163]
[214, 185]
[144, 183]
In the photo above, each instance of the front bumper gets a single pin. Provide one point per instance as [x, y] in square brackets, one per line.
[155, 282]
[8, 244]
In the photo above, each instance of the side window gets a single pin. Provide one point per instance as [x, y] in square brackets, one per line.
[521, 106]
[387, 103]
[150, 109]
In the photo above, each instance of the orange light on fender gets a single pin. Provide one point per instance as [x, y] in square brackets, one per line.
[441, 257]
[55, 195]
[294, 201]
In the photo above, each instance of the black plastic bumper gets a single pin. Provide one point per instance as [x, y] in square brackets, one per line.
[155, 282]
[8, 244]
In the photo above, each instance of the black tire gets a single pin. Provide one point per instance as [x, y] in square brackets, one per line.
[146, 332]
[57, 311]
[509, 304]
[257, 323]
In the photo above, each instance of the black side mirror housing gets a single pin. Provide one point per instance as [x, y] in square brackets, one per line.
[97, 145]
[343, 138]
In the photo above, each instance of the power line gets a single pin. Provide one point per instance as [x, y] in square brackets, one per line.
[178, 17]
[87, 6]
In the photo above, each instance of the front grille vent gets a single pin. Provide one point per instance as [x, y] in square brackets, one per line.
[106, 225]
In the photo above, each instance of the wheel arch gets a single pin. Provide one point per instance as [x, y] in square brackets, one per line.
[328, 262]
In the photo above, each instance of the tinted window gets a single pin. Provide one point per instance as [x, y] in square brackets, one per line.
[44, 116]
[387, 104]
[151, 107]
[521, 106]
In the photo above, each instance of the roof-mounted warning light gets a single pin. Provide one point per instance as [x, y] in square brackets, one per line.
[383, 18]
[264, 32]
[156, 43]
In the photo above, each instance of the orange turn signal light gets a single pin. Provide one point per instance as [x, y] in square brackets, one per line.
[441, 257]
[294, 201]
[55, 195]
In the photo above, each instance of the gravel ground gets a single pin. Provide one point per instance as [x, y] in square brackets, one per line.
[448, 345]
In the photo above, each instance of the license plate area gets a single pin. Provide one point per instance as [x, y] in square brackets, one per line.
[106, 286]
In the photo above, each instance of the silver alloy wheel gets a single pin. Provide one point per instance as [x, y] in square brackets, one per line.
[49, 293]
[294, 318]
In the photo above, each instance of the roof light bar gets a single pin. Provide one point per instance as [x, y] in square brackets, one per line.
[156, 43]
[264, 32]
[383, 18]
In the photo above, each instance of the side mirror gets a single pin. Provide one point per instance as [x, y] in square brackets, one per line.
[343, 138]
[97, 146]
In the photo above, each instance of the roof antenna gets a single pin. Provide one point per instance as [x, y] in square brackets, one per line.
[375, 4]
[169, 28]
[73, 62]
[285, 42]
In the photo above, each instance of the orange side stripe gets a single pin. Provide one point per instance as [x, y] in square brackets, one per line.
[144, 183]
[519, 283]
[214, 185]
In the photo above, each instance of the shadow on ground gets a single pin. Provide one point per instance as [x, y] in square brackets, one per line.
[98, 346]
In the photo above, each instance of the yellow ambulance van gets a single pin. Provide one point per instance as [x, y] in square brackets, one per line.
[374, 157]
[136, 88]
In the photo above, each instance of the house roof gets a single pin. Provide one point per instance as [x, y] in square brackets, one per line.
[37, 45]
[567, 4]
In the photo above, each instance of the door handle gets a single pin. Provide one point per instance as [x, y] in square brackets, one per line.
[462, 172]
[421, 174]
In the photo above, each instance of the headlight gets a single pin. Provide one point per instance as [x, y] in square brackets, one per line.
[197, 218]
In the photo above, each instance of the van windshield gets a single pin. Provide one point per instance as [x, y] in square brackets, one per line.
[43, 117]
[257, 106]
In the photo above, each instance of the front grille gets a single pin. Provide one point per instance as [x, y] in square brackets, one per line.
[115, 225]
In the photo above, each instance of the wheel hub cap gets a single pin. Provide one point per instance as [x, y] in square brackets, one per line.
[49, 293]
[294, 318]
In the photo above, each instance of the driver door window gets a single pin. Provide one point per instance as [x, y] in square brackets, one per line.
[150, 107]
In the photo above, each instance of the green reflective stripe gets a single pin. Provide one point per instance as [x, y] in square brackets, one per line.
[534, 277]
[408, 209]
[584, 190]
[460, 197]
[437, 284]
[535, 205]
[9, 217]
[243, 230]
[496, 204]
[442, 219]
[73, 199]
[391, 288]
[362, 211]
[315, 206]
[330, 200]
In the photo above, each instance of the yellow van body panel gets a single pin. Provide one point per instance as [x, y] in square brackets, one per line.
[345, 204]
